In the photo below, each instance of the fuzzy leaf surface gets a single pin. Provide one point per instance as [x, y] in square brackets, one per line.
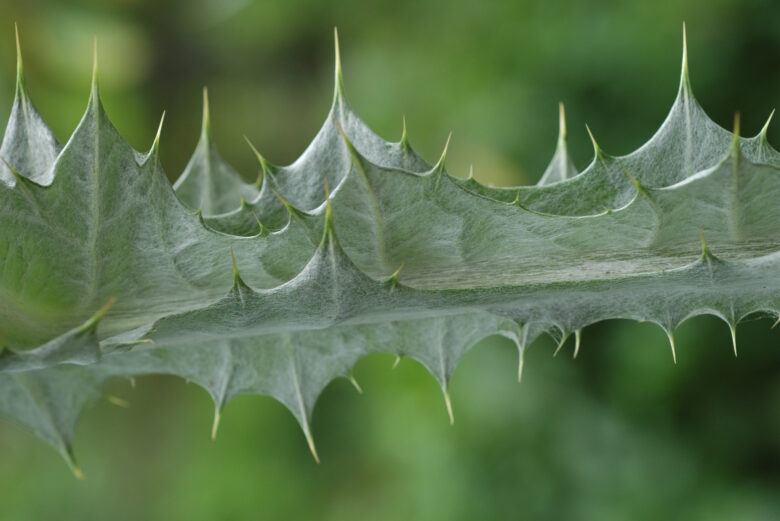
[278, 286]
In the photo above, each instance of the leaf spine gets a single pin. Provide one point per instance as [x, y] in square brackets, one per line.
[338, 92]
[670, 336]
[215, 423]
[597, 152]
[448, 405]
[404, 136]
[355, 383]
[577, 339]
[685, 81]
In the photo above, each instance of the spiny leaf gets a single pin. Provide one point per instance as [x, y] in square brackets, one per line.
[277, 287]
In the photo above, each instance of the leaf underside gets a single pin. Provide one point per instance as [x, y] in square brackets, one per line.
[276, 287]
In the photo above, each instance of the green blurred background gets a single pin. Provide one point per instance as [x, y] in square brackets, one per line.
[619, 433]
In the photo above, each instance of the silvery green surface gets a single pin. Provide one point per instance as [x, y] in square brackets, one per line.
[278, 286]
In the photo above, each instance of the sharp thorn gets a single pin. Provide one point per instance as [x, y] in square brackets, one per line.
[77, 473]
[448, 403]
[215, 424]
[67, 453]
[95, 63]
[596, 149]
[560, 344]
[339, 77]
[443, 158]
[671, 345]
[19, 64]
[156, 142]
[765, 128]
[355, 384]
[310, 442]
[520, 367]
[684, 78]
[577, 338]
[206, 121]
[561, 122]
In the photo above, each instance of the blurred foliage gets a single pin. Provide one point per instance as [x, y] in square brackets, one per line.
[619, 433]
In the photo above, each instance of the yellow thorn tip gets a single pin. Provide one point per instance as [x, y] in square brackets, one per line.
[671, 345]
[94, 62]
[448, 403]
[206, 121]
[561, 122]
[215, 425]
[19, 65]
[520, 369]
[355, 384]
[596, 148]
[684, 79]
[312, 448]
[577, 338]
[560, 344]
[77, 473]
[339, 78]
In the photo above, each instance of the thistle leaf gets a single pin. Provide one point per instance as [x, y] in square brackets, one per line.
[278, 287]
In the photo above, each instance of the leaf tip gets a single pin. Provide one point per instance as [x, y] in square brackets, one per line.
[19, 63]
[338, 93]
[765, 128]
[561, 122]
[404, 135]
[155, 150]
[439, 168]
[206, 120]
[310, 442]
[355, 383]
[95, 65]
[597, 152]
[670, 336]
[685, 81]
[733, 331]
[520, 366]
[264, 164]
[448, 404]
[77, 472]
[215, 423]
[70, 459]
[561, 342]
[577, 339]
